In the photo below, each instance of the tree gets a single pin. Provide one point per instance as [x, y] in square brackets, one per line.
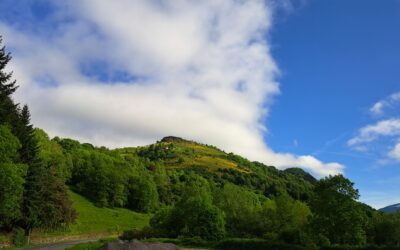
[338, 217]
[240, 207]
[193, 216]
[8, 110]
[8, 87]
[45, 201]
[385, 229]
[25, 133]
[143, 195]
[52, 154]
[9, 145]
[11, 179]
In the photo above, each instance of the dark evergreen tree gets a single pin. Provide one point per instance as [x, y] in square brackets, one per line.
[25, 133]
[46, 202]
[8, 110]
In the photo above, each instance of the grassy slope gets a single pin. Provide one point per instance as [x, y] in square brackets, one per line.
[93, 220]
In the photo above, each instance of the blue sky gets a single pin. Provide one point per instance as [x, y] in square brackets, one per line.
[311, 84]
[339, 58]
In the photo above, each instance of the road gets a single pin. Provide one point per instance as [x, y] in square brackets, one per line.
[64, 245]
[59, 246]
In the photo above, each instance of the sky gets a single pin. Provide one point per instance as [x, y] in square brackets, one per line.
[301, 83]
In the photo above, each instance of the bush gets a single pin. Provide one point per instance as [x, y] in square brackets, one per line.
[359, 248]
[19, 238]
[145, 233]
[255, 244]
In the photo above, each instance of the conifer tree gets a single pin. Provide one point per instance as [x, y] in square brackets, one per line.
[25, 133]
[8, 110]
[46, 201]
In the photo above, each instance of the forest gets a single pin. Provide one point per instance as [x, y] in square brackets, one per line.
[192, 191]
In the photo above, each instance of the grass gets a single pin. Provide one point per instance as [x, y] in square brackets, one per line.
[191, 154]
[93, 220]
[96, 219]
[5, 239]
[194, 154]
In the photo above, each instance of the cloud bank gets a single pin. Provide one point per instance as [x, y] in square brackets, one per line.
[126, 73]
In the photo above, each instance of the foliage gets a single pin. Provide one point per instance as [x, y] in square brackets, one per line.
[9, 145]
[143, 195]
[337, 215]
[11, 193]
[144, 233]
[11, 178]
[385, 229]
[19, 238]
[241, 207]
[51, 154]
[194, 215]
[32, 195]
[255, 244]
[47, 204]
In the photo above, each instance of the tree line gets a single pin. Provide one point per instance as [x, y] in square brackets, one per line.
[32, 194]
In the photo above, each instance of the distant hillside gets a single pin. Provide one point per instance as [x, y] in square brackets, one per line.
[178, 154]
[391, 209]
[302, 174]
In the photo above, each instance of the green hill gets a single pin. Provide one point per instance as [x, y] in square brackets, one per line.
[182, 154]
[177, 154]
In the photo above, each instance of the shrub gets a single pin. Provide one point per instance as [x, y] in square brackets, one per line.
[145, 233]
[19, 238]
[255, 244]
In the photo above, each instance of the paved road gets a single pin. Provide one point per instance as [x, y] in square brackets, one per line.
[64, 245]
[59, 246]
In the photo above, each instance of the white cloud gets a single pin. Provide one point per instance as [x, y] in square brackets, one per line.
[379, 107]
[395, 152]
[198, 69]
[390, 127]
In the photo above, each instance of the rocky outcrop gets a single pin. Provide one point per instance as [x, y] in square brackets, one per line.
[172, 139]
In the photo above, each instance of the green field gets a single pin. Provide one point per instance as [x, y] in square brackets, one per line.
[94, 220]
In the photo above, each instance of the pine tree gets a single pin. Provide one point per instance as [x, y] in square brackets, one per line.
[7, 86]
[25, 133]
[46, 201]
[8, 110]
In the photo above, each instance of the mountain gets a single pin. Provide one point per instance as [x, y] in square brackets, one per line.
[391, 209]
